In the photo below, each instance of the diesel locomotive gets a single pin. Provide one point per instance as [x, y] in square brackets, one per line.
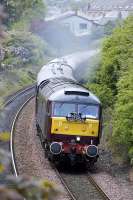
[68, 116]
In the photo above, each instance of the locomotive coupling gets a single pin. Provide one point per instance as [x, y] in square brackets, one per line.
[55, 148]
[92, 151]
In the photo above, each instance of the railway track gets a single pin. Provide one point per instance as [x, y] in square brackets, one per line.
[78, 186]
[65, 184]
[98, 188]
[17, 94]
[78, 190]
[12, 137]
[8, 110]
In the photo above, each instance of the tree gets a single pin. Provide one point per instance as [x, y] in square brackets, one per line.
[22, 49]
[113, 84]
[122, 138]
[17, 9]
[2, 17]
[117, 49]
[108, 28]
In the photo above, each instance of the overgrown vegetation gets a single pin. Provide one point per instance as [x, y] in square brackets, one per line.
[113, 83]
[22, 53]
[18, 10]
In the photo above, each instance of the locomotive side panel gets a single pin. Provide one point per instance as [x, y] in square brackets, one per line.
[41, 114]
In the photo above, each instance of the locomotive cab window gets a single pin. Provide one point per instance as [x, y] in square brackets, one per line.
[89, 111]
[62, 109]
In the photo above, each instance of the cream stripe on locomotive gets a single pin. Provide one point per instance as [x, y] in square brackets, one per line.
[60, 125]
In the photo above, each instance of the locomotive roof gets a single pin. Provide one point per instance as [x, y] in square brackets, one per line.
[67, 91]
[62, 97]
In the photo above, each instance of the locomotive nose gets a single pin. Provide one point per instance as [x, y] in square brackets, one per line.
[55, 148]
[92, 151]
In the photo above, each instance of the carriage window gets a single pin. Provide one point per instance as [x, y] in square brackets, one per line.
[63, 109]
[90, 111]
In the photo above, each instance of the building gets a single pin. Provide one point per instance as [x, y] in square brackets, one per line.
[77, 24]
[109, 9]
[107, 5]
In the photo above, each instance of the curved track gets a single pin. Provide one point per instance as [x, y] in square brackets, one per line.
[12, 135]
[18, 94]
[7, 114]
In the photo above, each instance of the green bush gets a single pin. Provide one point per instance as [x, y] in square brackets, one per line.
[105, 94]
[22, 49]
[123, 116]
[117, 50]
[113, 83]
[18, 9]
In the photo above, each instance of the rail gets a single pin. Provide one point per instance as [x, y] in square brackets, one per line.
[12, 137]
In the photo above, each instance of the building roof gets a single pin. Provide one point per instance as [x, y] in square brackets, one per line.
[102, 22]
[111, 5]
[67, 15]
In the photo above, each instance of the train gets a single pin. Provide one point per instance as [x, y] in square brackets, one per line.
[68, 116]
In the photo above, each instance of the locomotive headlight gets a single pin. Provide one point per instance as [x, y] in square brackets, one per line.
[78, 139]
[92, 150]
[55, 148]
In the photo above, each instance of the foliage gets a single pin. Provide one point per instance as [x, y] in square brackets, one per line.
[33, 188]
[22, 49]
[4, 155]
[2, 28]
[122, 138]
[18, 9]
[103, 92]
[113, 84]
[108, 28]
[22, 53]
[4, 136]
[25, 187]
[116, 53]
